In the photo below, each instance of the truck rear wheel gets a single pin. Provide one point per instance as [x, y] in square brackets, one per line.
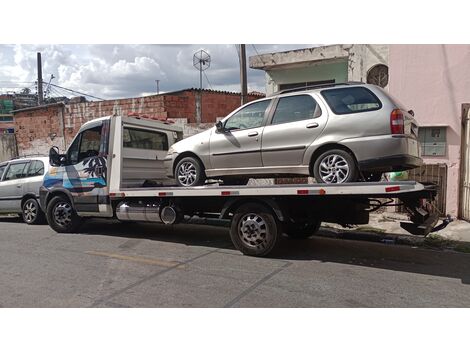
[61, 216]
[255, 230]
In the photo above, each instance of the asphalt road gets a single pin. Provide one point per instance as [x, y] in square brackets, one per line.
[110, 264]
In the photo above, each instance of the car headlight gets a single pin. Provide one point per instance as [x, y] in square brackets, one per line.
[171, 150]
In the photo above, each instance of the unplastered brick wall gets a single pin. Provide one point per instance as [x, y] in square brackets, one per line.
[39, 128]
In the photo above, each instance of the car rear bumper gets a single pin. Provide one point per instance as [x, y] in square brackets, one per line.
[391, 163]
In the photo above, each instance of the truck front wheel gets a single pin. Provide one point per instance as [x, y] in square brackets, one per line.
[61, 216]
[255, 230]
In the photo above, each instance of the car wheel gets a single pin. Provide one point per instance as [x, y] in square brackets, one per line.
[242, 181]
[335, 166]
[255, 230]
[302, 230]
[61, 216]
[32, 213]
[189, 172]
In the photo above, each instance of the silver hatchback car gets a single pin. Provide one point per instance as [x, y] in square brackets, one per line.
[335, 133]
[20, 180]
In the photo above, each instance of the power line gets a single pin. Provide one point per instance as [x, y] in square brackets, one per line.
[74, 91]
[257, 53]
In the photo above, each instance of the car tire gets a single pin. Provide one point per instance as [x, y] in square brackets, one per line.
[61, 216]
[189, 172]
[32, 213]
[254, 230]
[335, 166]
[242, 181]
[302, 230]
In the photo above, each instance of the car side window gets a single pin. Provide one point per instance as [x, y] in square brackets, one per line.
[250, 116]
[16, 171]
[85, 145]
[36, 168]
[2, 170]
[296, 108]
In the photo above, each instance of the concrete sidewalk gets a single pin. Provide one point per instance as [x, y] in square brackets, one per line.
[385, 227]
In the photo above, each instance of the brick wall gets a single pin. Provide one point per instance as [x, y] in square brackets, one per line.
[39, 128]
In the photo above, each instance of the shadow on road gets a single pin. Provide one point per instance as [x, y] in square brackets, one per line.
[376, 255]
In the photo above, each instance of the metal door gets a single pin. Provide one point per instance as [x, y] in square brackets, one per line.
[464, 208]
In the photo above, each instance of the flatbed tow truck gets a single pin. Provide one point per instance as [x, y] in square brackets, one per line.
[107, 172]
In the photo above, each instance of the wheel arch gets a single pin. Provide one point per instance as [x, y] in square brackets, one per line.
[329, 146]
[184, 155]
[26, 197]
[234, 203]
[58, 192]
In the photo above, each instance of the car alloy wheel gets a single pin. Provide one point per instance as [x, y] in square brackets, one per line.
[187, 173]
[30, 211]
[334, 169]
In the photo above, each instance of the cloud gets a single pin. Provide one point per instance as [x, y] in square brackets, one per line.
[115, 71]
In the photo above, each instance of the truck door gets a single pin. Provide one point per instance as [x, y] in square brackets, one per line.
[84, 174]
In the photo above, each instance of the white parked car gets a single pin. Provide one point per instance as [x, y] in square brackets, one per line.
[20, 180]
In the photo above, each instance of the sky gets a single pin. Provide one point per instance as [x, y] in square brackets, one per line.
[118, 71]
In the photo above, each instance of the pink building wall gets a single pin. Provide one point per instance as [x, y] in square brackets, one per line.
[434, 81]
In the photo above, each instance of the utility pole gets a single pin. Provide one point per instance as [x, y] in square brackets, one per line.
[40, 94]
[158, 85]
[243, 74]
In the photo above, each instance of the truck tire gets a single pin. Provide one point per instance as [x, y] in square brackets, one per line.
[189, 172]
[255, 230]
[61, 216]
[32, 213]
[302, 230]
[335, 166]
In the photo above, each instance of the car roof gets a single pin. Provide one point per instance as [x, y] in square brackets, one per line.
[44, 159]
[318, 88]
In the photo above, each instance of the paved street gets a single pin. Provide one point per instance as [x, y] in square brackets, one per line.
[110, 264]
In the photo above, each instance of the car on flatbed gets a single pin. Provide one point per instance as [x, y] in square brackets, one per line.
[20, 180]
[335, 133]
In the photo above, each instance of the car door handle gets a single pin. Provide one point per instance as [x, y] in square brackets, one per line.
[252, 134]
[18, 186]
[312, 125]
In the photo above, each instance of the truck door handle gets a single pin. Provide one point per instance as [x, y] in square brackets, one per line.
[252, 134]
[312, 125]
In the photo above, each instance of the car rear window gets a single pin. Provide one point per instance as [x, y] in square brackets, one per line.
[351, 100]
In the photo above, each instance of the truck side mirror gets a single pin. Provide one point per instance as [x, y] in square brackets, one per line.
[220, 127]
[56, 159]
[411, 112]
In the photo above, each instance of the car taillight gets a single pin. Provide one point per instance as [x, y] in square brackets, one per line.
[397, 122]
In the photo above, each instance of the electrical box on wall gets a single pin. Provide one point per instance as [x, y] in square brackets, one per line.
[433, 141]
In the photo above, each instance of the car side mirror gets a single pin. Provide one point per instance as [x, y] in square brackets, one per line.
[220, 127]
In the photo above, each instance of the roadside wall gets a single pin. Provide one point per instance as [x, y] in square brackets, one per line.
[7, 147]
[434, 81]
[40, 128]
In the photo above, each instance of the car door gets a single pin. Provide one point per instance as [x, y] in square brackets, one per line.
[240, 145]
[34, 177]
[3, 204]
[11, 190]
[296, 122]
